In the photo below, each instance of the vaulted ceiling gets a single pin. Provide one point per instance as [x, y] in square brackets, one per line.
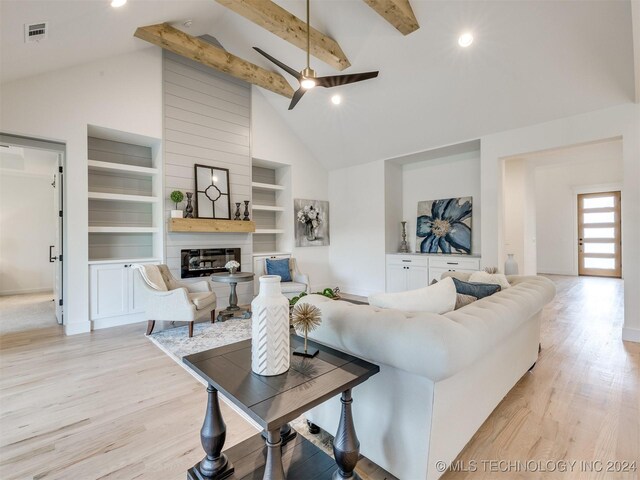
[531, 61]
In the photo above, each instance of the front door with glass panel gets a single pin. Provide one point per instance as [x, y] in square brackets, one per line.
[599, 240]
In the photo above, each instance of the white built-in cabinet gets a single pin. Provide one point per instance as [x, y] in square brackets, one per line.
[117, 294]
[125, 221]
[410, 272]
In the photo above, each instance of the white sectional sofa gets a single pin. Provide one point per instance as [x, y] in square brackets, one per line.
[440, 375]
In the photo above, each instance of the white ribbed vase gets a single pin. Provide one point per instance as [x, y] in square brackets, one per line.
[270, 329]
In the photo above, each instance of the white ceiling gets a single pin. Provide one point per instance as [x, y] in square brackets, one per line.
[531, 61]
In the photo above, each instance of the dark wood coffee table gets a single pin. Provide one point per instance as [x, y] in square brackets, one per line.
[273, 402]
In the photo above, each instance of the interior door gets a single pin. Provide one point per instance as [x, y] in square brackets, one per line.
[599, 235]
[57, 254]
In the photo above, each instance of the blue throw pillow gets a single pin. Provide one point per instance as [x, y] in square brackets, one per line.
[478, 290]
[279, 267]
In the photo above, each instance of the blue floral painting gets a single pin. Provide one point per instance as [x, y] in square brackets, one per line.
[444, 226]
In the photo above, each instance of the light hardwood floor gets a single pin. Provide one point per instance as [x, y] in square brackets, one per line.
[111, 405]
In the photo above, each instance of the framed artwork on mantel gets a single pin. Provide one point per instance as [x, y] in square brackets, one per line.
[444, 226]
[212, 192]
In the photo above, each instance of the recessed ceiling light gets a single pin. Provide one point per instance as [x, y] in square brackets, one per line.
[336, 99]
[118, 3]
[465, 39]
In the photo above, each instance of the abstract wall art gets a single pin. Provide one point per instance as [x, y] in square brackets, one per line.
[444, 226]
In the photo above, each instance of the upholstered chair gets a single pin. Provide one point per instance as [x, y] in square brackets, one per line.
[299, 281]
[171, 300]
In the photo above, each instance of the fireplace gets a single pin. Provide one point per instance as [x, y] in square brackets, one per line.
[205, 261]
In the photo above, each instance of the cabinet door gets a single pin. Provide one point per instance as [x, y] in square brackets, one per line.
[109, 290]
[396, 278]
[416, 277]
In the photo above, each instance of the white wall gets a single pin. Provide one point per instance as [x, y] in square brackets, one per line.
[556, 201]
[358, 227]
[121, 93]
[446, 177]
[520, 215]
[27, 221]
[621, 121]
[272, 140]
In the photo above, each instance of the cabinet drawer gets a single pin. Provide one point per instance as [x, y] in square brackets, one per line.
[407, 260]
[456, 263]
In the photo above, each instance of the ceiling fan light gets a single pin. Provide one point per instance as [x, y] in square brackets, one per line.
[465, 40]
[308, 83]
[118, 3]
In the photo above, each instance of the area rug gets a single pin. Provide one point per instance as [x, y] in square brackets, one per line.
[175, 342]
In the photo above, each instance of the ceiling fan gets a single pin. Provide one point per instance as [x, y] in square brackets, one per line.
[308, 78]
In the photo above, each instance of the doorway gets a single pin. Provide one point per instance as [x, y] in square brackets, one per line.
[31, 233]
[599, 234]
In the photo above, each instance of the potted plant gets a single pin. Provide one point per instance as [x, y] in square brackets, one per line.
[176, 197]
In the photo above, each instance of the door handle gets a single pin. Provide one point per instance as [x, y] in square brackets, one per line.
[51, 257]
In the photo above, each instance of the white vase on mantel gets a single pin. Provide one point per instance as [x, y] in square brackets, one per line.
[176, 214]
[510, 265]
[270, 354]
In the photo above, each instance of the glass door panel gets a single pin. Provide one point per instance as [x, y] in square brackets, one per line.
[599, 234]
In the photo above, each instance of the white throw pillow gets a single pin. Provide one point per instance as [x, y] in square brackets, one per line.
[492, 278]
[437, 298]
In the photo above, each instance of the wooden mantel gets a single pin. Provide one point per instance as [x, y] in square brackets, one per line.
[208, 225]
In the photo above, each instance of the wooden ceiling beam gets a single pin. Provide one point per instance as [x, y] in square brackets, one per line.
[287, 26]
[176, 41]
[397, 12]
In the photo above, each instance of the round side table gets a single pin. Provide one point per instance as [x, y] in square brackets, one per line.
[233, 279]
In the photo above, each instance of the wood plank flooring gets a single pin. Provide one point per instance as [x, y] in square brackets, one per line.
[110, 405]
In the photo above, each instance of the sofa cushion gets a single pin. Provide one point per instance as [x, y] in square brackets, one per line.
[463, 300]
[279, 267]
[493, 278]
[437, 298]
[478, 290]
[202, 299]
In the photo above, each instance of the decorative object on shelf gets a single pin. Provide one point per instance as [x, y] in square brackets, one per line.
[444, 226]
[188, 210]
[232, 266]
[237, 215]
[270, 329]
[176, 197]
[312, 223]
[510, 265]
[404, 246]
[212, 192]
[246, 211]
[306, 318]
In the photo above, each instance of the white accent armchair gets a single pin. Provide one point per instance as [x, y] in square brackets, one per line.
[171, 300]
[299, 283]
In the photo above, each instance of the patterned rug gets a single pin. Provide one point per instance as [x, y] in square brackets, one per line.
[175, 342]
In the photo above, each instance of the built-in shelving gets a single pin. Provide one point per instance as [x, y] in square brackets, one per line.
[266, 186]
[104, 261]
[121, 197]
[130, 170]
[124, 196]
[268, 208]
[271, 199]
[124, 229]
[269, 254]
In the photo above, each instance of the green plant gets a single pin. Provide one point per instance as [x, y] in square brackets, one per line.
[327, 292]
[176, 197]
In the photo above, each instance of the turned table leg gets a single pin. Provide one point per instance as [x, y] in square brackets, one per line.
[273, 469]
[346, 447]
[233, 297]
[214, 466]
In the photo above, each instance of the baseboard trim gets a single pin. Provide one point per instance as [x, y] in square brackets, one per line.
[26, 291]
[631, 334]
[118, 321]
[77, 328]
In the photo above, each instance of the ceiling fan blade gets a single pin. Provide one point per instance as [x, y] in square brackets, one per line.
[296, 97]
[337, 80]
[284, 67]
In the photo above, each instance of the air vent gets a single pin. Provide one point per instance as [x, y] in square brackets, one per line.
[35, 32]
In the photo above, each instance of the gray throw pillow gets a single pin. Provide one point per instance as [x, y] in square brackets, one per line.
[463, 300]
[478, 290]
